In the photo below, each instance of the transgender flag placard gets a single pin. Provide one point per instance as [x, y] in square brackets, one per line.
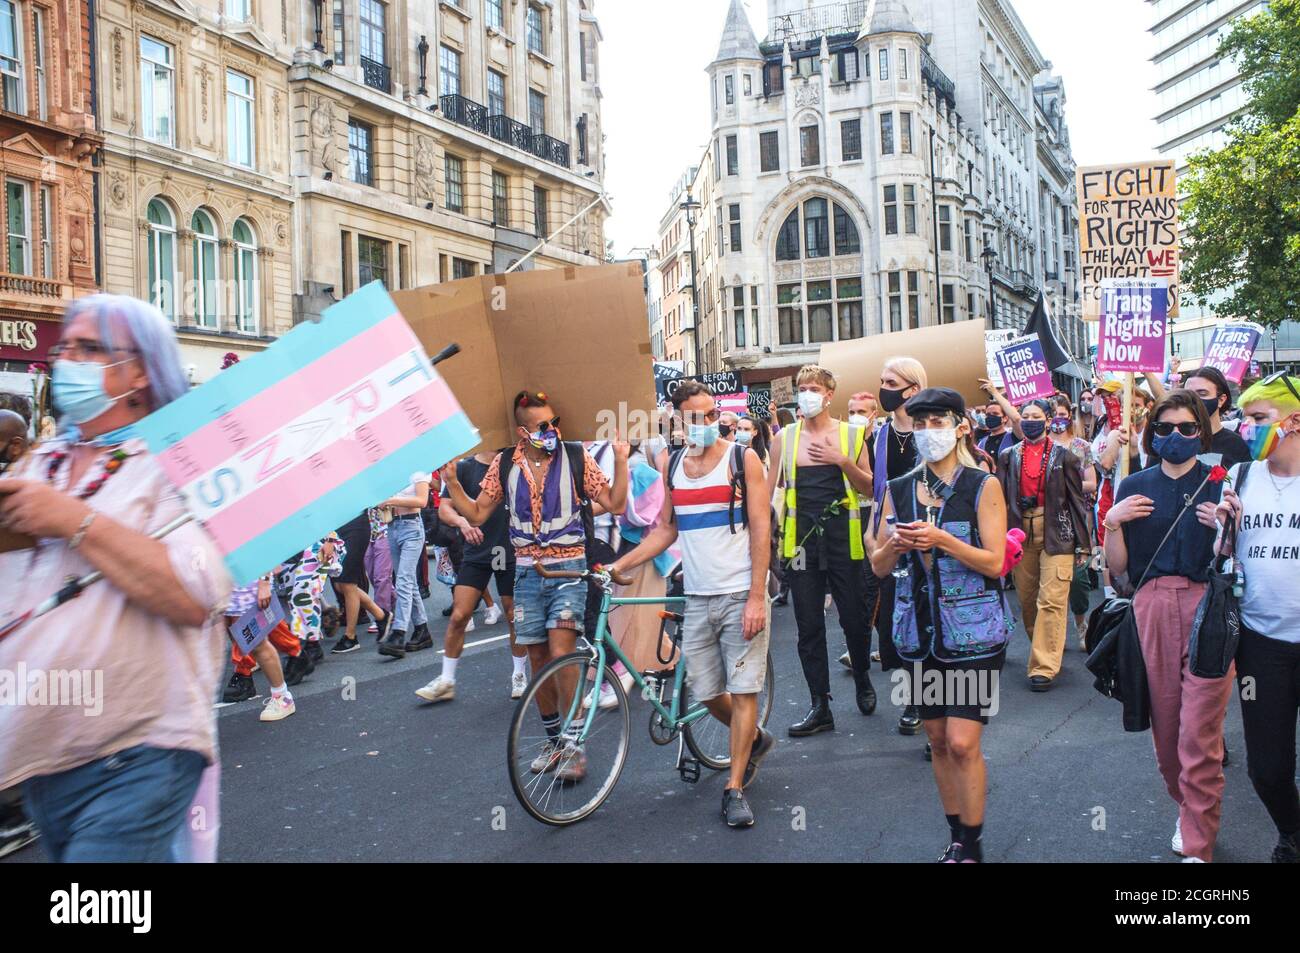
[289, 444]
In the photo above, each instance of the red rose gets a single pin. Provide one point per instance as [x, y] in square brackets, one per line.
[1218, 474]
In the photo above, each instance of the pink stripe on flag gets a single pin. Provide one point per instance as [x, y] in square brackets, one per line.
[286, 399]
[331, 467]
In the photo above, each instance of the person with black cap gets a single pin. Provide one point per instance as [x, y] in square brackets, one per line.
[1042, 482]
[943, 540]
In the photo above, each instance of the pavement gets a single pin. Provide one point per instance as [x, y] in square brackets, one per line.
[366, 771]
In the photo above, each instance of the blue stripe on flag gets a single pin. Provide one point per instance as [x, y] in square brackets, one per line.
[454, 436]
[304, 344]
[709, 519]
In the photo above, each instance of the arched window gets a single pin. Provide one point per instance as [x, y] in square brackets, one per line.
[246, 310]
[787, 240]
[846, 234]
[817, 310]
[162, 257]
[813, 239]
[817, 240]
[207, 283]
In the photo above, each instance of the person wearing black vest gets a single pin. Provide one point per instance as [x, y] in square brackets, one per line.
[944, 542]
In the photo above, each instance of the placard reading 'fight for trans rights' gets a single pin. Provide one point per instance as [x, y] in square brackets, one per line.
[1133, 324]
[282, 448]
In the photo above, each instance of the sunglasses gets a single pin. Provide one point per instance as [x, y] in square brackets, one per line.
[1285, 378]
[1164, 428]
[545, 425]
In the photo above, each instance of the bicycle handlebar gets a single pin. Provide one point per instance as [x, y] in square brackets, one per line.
[545, 573]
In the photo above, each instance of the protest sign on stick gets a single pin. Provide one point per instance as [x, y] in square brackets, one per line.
[1133, 325]
[1231, 349]
[1128, 228]
[287, 445]
[1024, 370]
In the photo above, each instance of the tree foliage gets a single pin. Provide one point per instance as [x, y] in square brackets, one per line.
[1242, 202]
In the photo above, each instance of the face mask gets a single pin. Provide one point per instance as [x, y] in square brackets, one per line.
[1261, 439]
[891, 400]
[1086, 407]
[1211, 405]
[1033, 429]
[702, 435]
[935, 445]
[810, 403]
[859, 420]
[77, 388]
[744, 438]
[992, 421]
[1176, 448]
[724, 430]
[1060, 424]
[546, 440]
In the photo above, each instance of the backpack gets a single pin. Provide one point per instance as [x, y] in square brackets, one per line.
[737, 481]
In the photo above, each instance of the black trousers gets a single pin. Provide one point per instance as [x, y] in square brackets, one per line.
[1268, 717]
[830, 570]
[884, 606]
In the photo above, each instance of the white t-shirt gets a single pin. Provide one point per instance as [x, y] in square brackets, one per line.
[1268, 546]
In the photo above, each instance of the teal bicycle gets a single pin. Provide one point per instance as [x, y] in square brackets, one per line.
[563, 771]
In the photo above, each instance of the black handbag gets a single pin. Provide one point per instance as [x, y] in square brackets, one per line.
[1216, 627]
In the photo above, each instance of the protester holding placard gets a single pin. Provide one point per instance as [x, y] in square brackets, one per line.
[92, 498]
[1043, 484]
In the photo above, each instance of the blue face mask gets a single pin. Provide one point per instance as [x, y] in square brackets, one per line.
[744, 437]
[77, 388]
[702, 435]
[1033, 429]
[1176, 448]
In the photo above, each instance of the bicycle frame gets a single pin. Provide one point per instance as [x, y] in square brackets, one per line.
[676, 719]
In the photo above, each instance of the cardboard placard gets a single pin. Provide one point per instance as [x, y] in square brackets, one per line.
[1024, 370]
[758, 400]
[782, 391]
[1128, 228]
[952, 354]
[995, 341]
[1232, 348]
[580, 335]
[1133, 325]
[251, 629]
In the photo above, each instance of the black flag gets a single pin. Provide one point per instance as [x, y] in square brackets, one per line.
[1038, 324]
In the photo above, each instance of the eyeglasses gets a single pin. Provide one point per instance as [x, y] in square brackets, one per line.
[1285, 378]
[82, 347]
[695, 417]
[1163, 428]
[552, 424]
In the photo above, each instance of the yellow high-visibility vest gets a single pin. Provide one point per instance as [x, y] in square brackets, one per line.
[850, 434]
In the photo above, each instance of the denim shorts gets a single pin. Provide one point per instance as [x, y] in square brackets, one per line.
[542, 605]
[718, 659]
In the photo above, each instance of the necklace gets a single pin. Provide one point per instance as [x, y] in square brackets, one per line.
[902, 439]
[1279, 488]
[108, 466]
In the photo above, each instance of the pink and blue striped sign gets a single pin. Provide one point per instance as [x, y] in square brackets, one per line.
[287, 445]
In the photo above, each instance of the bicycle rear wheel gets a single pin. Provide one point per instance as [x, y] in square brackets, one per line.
[554, 779]
[710, 740]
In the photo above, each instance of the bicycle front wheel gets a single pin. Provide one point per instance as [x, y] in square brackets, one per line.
[559, 776]
[710, 740]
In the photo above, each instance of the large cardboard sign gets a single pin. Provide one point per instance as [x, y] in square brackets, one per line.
[1024, 370]
[1128, 228]
[1231, 349]
[1133, 325]
[579, 335]
[952, 354]
[289, 444]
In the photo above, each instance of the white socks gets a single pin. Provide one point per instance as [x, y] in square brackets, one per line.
[521, 664]
[449, 668]
[281, 692]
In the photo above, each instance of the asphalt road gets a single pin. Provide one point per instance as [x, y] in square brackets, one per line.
[366, 771]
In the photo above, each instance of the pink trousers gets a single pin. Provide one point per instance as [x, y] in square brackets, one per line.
[1186, 712]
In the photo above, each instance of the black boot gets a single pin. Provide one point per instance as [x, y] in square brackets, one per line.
[393, 644]
[421, 638]
[239, 688]
[315, 655]
[819, 718]
[295, 669]
[866, 694]
[910, 722]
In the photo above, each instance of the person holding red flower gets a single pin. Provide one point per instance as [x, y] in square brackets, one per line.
[1155, 535]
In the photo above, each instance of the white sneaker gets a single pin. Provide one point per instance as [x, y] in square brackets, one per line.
[628, 682]
[469, 626]
[277, 707]
[548, 758]
[1176, 844]
[607, 697]
[439, 690]
[1193, 860]
[493, 615]
[518, 682]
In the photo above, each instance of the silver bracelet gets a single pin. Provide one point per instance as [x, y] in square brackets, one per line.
[80, 534]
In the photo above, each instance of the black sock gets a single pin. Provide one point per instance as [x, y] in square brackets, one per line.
[954, 826]
[971, 849]
[551, 723]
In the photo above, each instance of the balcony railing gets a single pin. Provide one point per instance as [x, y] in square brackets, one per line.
[377, 75]
[31, 285]
[507, 130]
[465, 112]
[830, 18]
[550, 149]
[938, 78]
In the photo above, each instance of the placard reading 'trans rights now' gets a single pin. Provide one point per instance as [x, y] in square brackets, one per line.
[1025, 374]
[1133, 323]
[1231, 349]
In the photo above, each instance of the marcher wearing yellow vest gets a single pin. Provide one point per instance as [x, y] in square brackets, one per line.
[820, 463]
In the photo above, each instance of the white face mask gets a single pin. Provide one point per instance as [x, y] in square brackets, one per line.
[860, 420]
[935, 445]
[810, 403]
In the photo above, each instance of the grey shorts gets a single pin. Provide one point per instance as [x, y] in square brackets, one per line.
[718, 659]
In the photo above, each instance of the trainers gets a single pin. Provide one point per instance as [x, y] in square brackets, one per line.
[373, 628]
[735, 809]
[493, 615]
[608, 699]
[1287, 850]
[760, 750]
[239, 688]
[277, 707]
[846, 661]
[952, 855]
[344, 646]
[518, 683]
[547, 759]
[1176, 843]
[572, 764]
[469, 626]
[439, 690]
[14, 837]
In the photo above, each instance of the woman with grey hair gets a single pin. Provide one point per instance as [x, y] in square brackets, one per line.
[142, 648]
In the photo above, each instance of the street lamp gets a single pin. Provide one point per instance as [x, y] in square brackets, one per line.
[1272, 332]
[989, 256]
[691, 208]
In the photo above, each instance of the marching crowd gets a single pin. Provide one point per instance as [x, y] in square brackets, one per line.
[917, 517]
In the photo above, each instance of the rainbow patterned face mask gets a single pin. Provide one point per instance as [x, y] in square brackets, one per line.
[1261, 439]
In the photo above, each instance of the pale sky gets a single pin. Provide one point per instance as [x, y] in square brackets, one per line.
[656, 94]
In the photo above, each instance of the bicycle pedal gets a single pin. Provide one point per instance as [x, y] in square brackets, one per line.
[689, 770]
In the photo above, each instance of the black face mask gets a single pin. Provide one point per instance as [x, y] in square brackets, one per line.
[724, 430]
[1033, 429]
[1211, 405]
[992, 422]
[891, 400]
